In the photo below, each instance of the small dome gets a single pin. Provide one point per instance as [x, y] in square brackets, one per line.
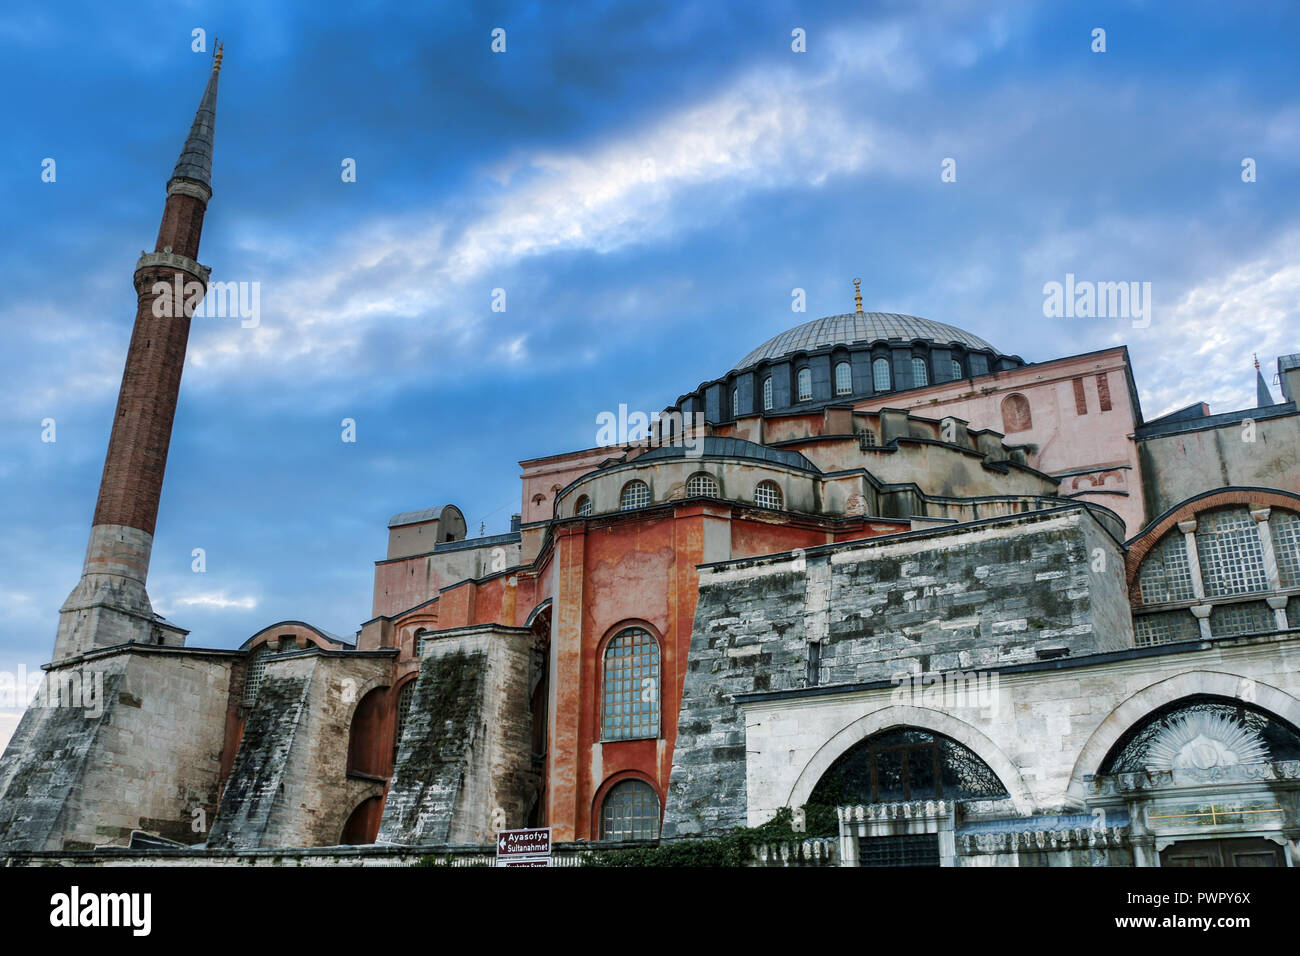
[861, 328]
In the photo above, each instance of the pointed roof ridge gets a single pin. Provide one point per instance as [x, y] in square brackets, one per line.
[1263, 397]
[195, 162]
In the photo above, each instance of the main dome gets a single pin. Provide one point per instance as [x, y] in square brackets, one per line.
[863, 328]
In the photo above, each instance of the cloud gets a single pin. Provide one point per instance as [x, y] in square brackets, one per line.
[213, 600]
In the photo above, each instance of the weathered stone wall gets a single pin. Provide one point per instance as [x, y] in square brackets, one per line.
[1184, 464]
[147, 756]
[981, 596]
[467, 746]
[289, 784]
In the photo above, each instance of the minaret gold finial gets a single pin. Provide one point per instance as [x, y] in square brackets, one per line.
[857, 294]
[1256, 361]
[216, 57]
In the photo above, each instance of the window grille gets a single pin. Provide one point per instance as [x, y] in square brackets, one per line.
[767, 394]
[631, 687]
[768, 495]
[880, 375]
[701, 486]
[1166, 574]
[1229, 620]
[630, 812]
[1285, 526]
[403, 713]
[956, 369]
[805, 385]
[843, 379]
[1165, 627]
[255, 673]
[1232, 559]
[735, 402]
[584, 507]
[636, 494]
[920, 374]
[919, 849]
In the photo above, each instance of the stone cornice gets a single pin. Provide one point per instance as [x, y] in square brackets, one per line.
[170, 260]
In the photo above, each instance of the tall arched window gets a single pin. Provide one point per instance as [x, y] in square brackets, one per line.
[636, 494]
[880, 375]
[630, 812]
[768, 495]
[583, 508]
[920, 374]
[956, 369]
[843, 379]
[735, 402]
[701, 485]
[631, 686]
[767, 394]
[805, 385]
[1015, 414]
[403, 714]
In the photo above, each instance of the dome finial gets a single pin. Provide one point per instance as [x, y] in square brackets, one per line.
[857, 294]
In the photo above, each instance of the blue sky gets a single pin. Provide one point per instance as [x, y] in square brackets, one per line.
[648, 183]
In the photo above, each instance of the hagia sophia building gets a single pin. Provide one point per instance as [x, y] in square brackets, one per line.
[977, 606]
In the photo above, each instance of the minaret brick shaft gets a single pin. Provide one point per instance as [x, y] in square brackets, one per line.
[110, 605]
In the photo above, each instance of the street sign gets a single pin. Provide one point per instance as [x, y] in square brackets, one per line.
[531, 847]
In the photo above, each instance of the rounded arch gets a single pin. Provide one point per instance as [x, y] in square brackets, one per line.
[607, 786]
[535, 612]
[702, 484]
[634, 494]
[1139, 705]
[1016, 416]
[362, 826]
[366, 752]
[901, 715]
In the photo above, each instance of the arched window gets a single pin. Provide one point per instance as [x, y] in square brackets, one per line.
[1201, 733]
[903, 764]
[417, 647]
[1015, 414]
[735, 402]
[805, 385]
[843, 379]
[631, 686]
[583, 507]
[767, 394]
[630, 812]
[880, 375]
[920, 374]
[701, 485]
[768, 495]
[956, 369]
[403, 712]
[1229, 559]
[635, 494]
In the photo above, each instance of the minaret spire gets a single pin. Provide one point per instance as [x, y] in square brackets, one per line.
[110, 605]
[1263, 397]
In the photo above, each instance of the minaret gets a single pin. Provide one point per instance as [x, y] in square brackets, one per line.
[1263, 397]
[110, 606]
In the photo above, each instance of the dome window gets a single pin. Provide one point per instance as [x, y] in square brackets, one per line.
[920, 374]
[843, 379]
[880, 375]
[701, 485]
[583, 508]
[768, 495]
[635, 494]
[735, 403]
[805, 385]
[956, 369]
[767, 394]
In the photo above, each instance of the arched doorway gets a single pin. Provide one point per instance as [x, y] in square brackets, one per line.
[1201, 776]
[902, 784]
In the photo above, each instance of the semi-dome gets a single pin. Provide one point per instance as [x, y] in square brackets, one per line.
[861, 328]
